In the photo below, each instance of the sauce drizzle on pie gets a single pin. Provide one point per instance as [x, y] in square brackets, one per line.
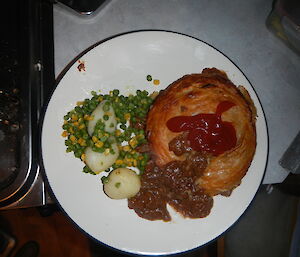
[207, 131]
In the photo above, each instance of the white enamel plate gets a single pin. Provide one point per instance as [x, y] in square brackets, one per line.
[123, 63]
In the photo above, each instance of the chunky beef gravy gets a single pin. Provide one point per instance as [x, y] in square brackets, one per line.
[173, 184]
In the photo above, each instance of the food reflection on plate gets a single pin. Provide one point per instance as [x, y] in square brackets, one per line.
[179, 147]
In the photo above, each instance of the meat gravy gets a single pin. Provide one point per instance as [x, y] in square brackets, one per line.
[173, 184]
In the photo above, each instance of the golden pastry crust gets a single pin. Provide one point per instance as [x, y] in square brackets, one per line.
[201, 93]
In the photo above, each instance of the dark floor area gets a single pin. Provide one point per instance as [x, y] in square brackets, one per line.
[266, 228]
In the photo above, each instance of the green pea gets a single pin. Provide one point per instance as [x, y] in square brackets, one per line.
[78, 109]
[103, 139]
[119, 140]
[85, 109]
[123, 126]
[130, 98]
[68, 142]
[77, 134]
[116, 92]
[106, 107]
[101, 150]
[106, 145]
[92, 106]
[77, 154]
[104, 180]
[66, 126]
[122, 154]
[95, 98]
[130, 105]
[89, 142]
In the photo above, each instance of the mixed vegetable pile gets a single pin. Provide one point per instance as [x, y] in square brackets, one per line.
[104, 132]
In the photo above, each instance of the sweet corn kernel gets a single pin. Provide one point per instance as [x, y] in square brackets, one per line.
[82, 126]
[71, 130]
[73, 138]
[65, 133]
[99, 144]
[95, 139]
[74, 117]
[76, 123]
[127, 116]
[88, 117]
[133, 142]
[118, 132]
[140, 136]
[119, 162]
[83, 143]
[83, 157]
[154, 94]
[126, 148]
[127, 162]
[107, 151]
[79, 103]
[134, 163]
[108, 113]
[156, 82]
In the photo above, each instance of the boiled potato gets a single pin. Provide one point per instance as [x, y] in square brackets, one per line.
[98, 162]
[98, 113]
[122, 183]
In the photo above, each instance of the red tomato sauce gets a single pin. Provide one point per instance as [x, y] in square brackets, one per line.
[207, 131]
